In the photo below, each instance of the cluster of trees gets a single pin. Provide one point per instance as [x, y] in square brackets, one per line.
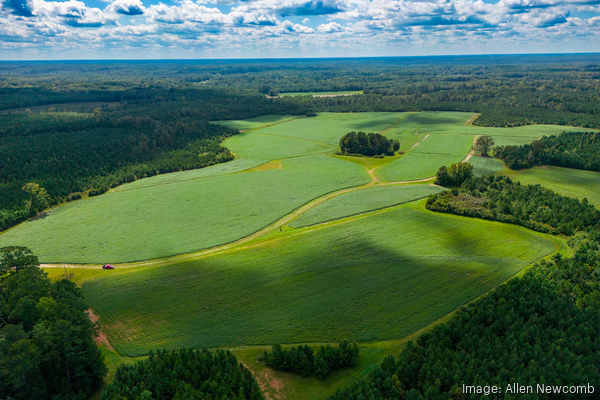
[303, 360]
[532, 206]
[47, 348]
[541, 328]
[368, 144]
[185, 374]
[455, 175]
[579, 150]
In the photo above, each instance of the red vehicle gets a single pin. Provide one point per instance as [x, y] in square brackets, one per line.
[108, 266]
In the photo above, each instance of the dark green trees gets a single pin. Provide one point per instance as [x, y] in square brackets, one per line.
[371, 144]
[47, 348]
[303, 360]
[187, 374]
[455, 175]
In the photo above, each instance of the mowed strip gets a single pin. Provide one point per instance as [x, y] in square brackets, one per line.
[377, 277]
[182, 217]
[364, 200]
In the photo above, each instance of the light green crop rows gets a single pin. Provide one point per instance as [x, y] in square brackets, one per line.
[364, 200]
[379, 277]
[260, 146]
[182, 217]
[486, 165]
[256, 122]
[330, 127]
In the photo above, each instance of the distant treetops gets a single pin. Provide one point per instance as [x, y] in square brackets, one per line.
[368, 144]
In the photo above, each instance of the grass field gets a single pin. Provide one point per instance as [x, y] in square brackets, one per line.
[364, 200]
[261, 146]
[486, 165]
[185, 216]
[346, 93]
[445, 144]
[564, 181]
[253, 123]
[365, 279]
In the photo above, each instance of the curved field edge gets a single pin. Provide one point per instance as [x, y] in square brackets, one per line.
[285, 290]
[363, 201]
[152, 222]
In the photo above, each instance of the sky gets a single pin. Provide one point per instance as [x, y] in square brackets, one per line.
[198, 29]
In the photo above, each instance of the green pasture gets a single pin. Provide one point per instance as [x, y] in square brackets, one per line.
[253, 123]
[330, 127]
[260, 146]
[564, 181]
[343, 93]
[445, 144]
[364, 200]
[415, 166]
[365, 279]
[182, 217]
[485, 165]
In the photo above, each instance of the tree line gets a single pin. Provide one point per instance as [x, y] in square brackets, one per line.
[304, 361]
[578, 150]
[499, 198]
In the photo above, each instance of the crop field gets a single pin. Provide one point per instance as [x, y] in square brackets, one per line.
[415, 166]
[445, 144]
[564, 181]
[328, 94]
[253, 123]
[330, 127]
[261, 146]
[364, 200]
[366, 279]
[486, 165]
[185, 216]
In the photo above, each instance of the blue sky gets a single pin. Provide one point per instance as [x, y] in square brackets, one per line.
[146, 29]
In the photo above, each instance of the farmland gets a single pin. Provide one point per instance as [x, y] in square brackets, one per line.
[387, 290]
[181, 217]
[361, 201]
[318, 94]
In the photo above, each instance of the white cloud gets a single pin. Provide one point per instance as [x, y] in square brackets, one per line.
[330, 27]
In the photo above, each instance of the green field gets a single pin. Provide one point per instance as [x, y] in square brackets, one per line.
[364, 200]
[253, 123]
[261, 146]
[445, 144]
[182, 217]
[343, 93]
[414, 166]
[366, 279]
[564, 181]
[486, 165]
[328, 128]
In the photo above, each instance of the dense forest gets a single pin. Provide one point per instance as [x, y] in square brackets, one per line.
[303, 360]
[368, 144]
[186, 374]
[579, 150]
[539, 329]
[47, 348]
[454, 175]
